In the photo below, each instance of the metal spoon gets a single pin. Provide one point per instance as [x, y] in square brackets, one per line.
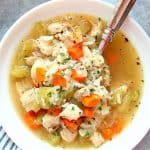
[117, 20]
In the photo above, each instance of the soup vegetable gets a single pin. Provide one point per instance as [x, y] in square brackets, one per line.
[66, 91]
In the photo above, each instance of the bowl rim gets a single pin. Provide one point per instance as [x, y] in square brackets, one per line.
[38, 7]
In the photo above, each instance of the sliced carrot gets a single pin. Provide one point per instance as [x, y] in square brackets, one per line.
[41, 111]
[72, 125]
[88, 112]
[36, 85]
[55, 111]
[115, 128]
[29, 118]
[59, 80]
[91, 101]
[40, 75]
[107, 133]
[76, 52]
[75, 76]
[111, 58]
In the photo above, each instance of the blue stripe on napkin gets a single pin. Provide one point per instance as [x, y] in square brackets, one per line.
[5, 142]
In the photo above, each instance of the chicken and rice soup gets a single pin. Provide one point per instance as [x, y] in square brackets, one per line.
[66, 91]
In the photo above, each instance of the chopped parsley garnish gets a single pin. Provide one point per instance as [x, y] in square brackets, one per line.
[96, 37]
[60, 91]
[70, 67]
[65, 60]
[50, 104]
[62, 54]
[73, 108]
[49, 94]
[87, 134]
[99, 18]
[98, 72]
[99, 108]
[81, 128]
[92, 90]
[62, 107]
[62, 73]
[89, 122]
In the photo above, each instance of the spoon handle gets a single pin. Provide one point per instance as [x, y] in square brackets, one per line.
[120, 15]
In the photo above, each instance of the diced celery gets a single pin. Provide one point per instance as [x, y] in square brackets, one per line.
[54, 138]
[118, 95]
[127, 100]
[84, 26]
[44, 92]
[20, 71]
[39, 29]
[25, 50]
[28, 46]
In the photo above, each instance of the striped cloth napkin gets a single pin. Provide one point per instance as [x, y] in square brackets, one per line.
[5, 142]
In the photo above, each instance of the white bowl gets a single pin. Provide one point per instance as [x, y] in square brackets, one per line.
[9, 118]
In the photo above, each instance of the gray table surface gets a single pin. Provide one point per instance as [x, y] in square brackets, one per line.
[11, 10]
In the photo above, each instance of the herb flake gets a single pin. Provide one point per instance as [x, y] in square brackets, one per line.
[72, 108]
[87, 134]
[49, 94]
[62, 54]
[50, 104]
[60, 91]
[99, 108]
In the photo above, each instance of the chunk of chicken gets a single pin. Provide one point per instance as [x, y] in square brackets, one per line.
[35, 55]
[38, 54]
[44, 43]
[67, 135]
[28, 100]
[51, 123]
[58, 47]
[106, 76]
[96, 139]
[30, 60]
[51, 67]
[118, 94]
[87, 52]
[85, 91]
[98, 88]
[97, 59]
[92, 58]
[56, 27]
[96, 29]
[71, 111]
[61, 31]
[65, 35]
[23, 85]
[105, 110]
[89, 40]
[81, 70]
[89, 125]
